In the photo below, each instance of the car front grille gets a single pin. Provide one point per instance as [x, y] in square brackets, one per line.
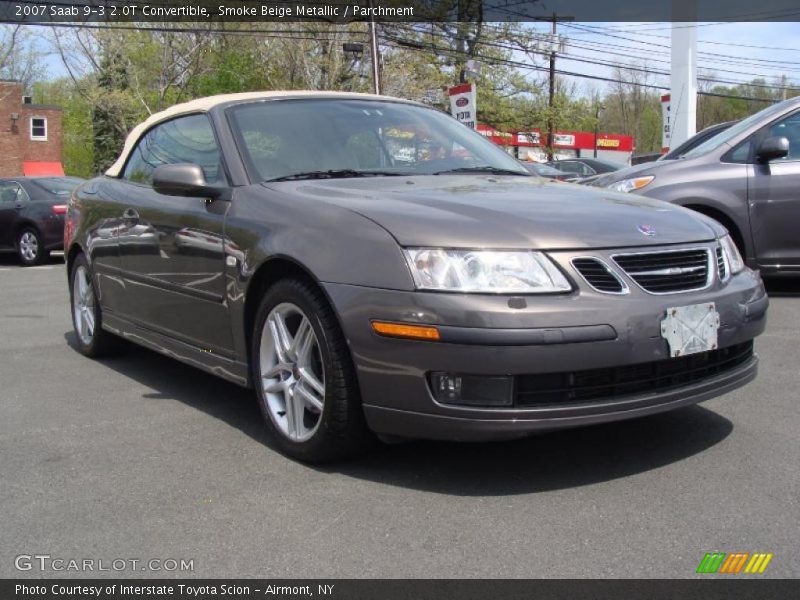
[618, 382]
[598, 275]
[721, 269]
[667, 272]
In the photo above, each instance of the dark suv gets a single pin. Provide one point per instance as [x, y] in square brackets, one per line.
[746, 177]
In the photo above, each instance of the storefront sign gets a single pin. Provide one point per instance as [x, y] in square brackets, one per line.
[563, 139]
[462, 104]
[607, 143]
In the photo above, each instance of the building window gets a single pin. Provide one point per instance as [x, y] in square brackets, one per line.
[39, 128]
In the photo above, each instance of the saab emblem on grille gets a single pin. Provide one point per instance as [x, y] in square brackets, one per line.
[647, 230]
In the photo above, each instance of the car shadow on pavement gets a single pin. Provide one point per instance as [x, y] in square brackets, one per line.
[551, 461]
[783, 286]
[9, 259]
[173, 380]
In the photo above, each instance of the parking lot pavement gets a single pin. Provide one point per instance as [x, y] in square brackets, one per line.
[141, 457]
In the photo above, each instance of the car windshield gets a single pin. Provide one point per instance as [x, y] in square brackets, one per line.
[733, 131]
[322, 138]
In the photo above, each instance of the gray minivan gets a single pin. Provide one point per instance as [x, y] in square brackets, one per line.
[746, 177]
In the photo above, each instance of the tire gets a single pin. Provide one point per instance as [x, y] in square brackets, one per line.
[30, 247]
[87, 317]
[306, 384]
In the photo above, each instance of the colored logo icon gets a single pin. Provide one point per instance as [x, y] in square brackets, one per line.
[734, 563]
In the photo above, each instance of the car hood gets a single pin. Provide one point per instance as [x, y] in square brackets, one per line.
[463, 211]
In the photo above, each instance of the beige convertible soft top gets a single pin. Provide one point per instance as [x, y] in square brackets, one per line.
[205, 104]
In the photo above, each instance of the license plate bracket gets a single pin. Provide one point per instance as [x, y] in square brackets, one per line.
[691, 329]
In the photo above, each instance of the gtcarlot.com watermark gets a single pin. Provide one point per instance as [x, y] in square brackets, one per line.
[56, 564]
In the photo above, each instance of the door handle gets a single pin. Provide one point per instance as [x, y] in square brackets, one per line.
[130, 214]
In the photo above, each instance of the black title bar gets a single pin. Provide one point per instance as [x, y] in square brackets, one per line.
[713, 588]
[344, 11]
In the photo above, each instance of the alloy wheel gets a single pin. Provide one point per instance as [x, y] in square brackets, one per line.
[83, 304]
[291, 372]
[29, 246]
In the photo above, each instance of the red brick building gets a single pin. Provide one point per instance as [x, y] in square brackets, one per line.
[30, 134]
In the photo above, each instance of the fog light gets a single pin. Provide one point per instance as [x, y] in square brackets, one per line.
[472, 390]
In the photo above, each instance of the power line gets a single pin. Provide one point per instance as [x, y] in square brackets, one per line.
[646, 32]
[590, 60]
[421, 47]
[666, 46]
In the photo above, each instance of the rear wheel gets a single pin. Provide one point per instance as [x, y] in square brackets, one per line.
[304, 376]
[30, 247]
[87, 317]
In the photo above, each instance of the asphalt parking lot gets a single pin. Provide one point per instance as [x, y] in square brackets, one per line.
[141, 457]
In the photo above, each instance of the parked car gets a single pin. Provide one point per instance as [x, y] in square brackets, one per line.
[452, 296]
[746, 177]
[697, 139]
[542, 170]
[32, 215]
[585, 167]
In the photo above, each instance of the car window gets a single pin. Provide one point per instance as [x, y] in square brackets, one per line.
[741, 153]
[735, 130]
[187, 139]
[11, 191]
[790, 129]
[569, 167]
[59, 186]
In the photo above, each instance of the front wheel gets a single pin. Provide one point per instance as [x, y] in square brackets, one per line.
[304, 376]
[30, 247]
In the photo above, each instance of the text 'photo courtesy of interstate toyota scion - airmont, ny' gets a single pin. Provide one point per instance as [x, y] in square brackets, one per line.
[373, 268]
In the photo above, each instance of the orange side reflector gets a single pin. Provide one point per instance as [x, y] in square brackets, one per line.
[402, 330]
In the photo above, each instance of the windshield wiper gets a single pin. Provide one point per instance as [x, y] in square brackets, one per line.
[484, 169]
[335, 174]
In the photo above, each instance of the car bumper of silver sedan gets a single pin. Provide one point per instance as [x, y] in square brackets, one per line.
[589, 342]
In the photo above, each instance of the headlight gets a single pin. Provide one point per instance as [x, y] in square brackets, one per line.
[487, 271]
[730, 254]
[631, 185]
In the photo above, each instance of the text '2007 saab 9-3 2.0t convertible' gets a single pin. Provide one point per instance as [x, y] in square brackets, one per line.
[371, 266]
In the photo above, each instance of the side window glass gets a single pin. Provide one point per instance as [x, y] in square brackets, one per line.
[8, 192]
[12, 192]
[183, 140]
[790, 129]
[22, 195]
[741, 153]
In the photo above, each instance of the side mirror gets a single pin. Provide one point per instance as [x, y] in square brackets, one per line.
[772, 148]
[185, 180]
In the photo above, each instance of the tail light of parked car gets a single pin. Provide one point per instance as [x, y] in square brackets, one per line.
[59, 209]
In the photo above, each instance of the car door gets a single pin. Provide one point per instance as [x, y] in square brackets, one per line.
[172, 248]
[775, 200]
[12, 198]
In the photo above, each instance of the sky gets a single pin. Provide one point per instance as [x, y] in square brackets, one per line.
[733, 52]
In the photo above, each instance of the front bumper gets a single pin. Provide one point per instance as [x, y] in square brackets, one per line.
[503, 335]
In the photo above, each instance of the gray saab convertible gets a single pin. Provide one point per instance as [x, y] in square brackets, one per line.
[371, 266]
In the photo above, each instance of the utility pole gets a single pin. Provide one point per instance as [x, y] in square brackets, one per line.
[552, 97]
[597, 108]
[376, 56]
